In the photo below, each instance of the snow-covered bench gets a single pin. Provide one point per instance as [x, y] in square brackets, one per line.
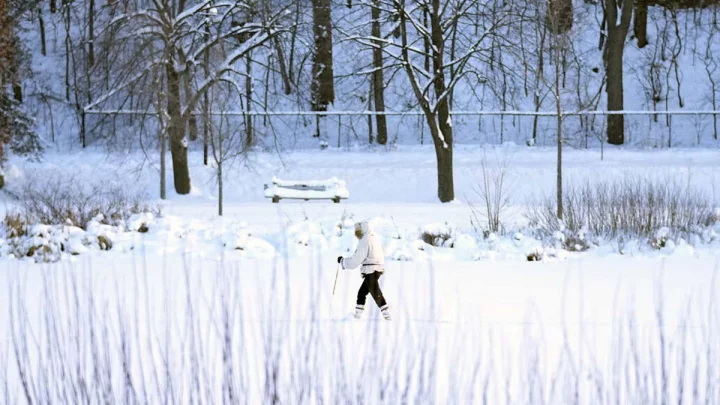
[331, 189]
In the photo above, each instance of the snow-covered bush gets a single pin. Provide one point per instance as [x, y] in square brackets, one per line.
[535, 255]
[48, 243]
[634, 205]
[439, 235]
[14, 225]
[58, 217]
[575, 241]
[54, 201]
[661, 238]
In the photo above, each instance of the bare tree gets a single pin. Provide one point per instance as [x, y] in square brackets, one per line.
[560, 22]
[180, 34]
[432, 89]
[226, 141]
[163, 124]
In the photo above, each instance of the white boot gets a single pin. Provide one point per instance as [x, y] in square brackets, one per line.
[385, 311]
[358, 311]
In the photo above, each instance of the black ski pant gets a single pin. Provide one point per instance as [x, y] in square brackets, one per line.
[371, 286]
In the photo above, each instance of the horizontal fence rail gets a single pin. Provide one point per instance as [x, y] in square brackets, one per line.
[305, 129]
[419, 113]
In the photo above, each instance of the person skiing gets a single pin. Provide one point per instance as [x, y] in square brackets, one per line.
[370, 257]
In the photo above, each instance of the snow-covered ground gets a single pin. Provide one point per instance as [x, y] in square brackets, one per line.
[396, 189]
[239, 309]
[460, 329]
[478, 323]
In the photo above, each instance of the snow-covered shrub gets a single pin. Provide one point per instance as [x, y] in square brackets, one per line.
[714, 217]
[439, 235]
[53, 201]
[44, 243]
[140, 222]
[14, 225]
[661, 238]
[576, 241]
[48, 243]
[535, 255]
[634, 205]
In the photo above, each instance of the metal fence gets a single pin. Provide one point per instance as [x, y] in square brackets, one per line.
[344, 129]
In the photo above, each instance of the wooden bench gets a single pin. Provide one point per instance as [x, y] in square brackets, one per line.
[330, 189]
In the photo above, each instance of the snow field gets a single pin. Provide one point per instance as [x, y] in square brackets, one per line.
[239, 308]
[508, 332]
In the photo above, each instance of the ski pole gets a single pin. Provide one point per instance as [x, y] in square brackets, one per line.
[336, 276]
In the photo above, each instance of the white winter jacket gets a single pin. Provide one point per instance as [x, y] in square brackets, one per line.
[369, 253]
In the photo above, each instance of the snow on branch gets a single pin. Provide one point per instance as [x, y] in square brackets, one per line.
[117, 89]
[225, 67]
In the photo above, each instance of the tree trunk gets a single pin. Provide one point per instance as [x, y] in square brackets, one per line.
[188, 90]
[444, 139]
[193, 128]
[53, 6]
[163, 164]
[444, 155]
[83, 130]
[322, 87]
[613, 60]
[444, 159]
[17, 92]
[206, 129]
[250, 137]
[43, 41]
[377, 76]
[560, 45]
[371, 131]
[91, 35]
[67, 53]
[640, 23]
[287, 84]
[293, 41]
[615, 101]
[176, 132]
[220, 184]
[206, 101]
[426, 41]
